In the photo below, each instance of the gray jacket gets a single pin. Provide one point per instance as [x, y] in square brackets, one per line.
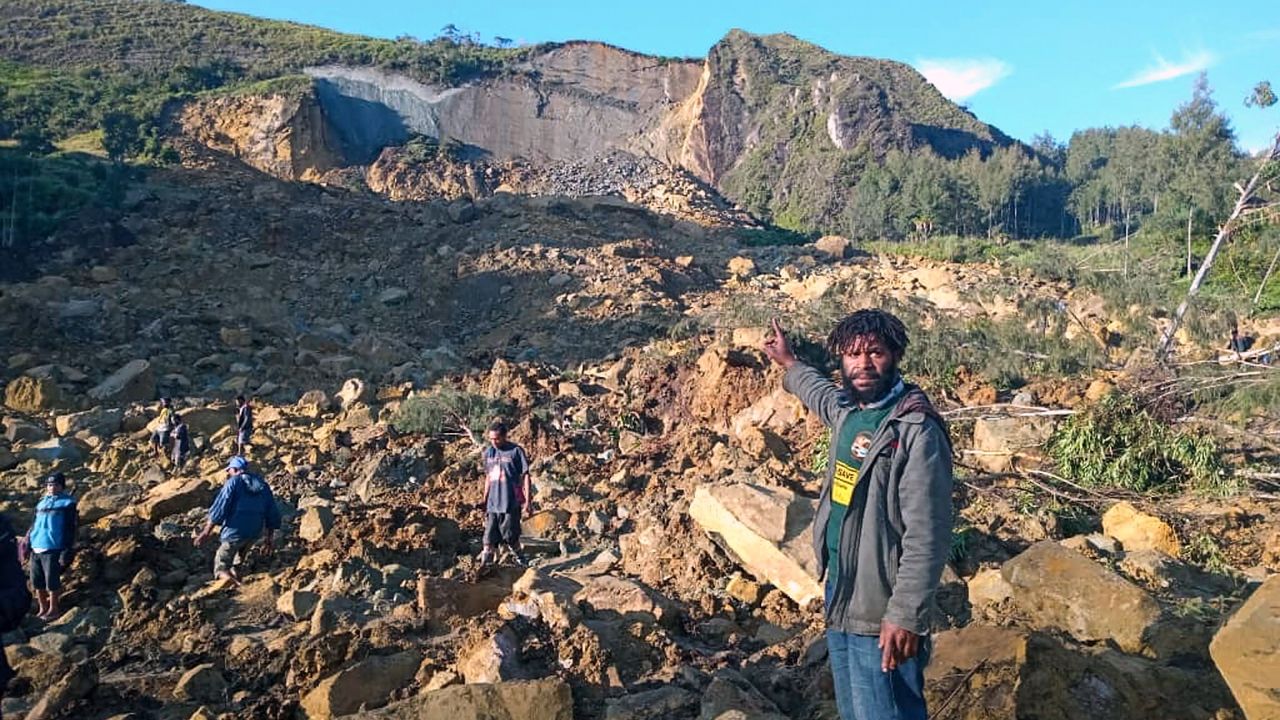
[897, 534]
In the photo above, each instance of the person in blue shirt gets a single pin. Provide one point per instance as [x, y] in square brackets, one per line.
[52, 540]
[245, 507]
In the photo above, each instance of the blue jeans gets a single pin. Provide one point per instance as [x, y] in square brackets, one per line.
[864, 691]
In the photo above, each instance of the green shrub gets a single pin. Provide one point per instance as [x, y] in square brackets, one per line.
[770, 236]
[448, 412]
[1118, 444]
[821, 454]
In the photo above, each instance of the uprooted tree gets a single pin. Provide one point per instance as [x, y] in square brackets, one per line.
[1256, 202]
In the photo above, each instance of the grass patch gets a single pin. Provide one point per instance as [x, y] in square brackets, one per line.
[87, 142]
[293, 86]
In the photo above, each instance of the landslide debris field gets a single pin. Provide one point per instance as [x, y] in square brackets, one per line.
[622, 344]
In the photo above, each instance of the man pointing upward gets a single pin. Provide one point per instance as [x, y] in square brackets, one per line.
[882, 531]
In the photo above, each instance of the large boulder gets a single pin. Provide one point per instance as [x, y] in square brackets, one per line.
[453, 599]
[1004, 674]
[314, 403]
[547, 597]
[547, 699]
[1138, 531]
[104, 500]
[353, 391]
[493, 658]
[135, 382]
[628, 599]
[834, 246]
[767, 529]
[297, 604]
[18, 430]
[103, 422]
[176, 496]
[32, 394]
[663, 702]
[385, 472]
[731, 696]
[202, 683]
[207, 421]
[367, 684]
[64, 451]
[70, 688]
[1002, 443]
[1247, 652]
[315, 524]
[1060, 588]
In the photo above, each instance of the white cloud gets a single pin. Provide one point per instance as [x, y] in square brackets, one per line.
[1164, 70]
[961, 78]
[1264, 36]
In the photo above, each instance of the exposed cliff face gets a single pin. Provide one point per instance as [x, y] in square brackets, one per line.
[576, 101]
[286, 136]
[773, 123]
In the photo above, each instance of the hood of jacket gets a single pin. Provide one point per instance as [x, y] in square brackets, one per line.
[252, 484]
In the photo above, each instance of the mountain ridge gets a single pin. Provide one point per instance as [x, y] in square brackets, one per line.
[778, 125]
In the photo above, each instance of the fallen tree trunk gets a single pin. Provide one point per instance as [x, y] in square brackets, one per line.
[1247, 194]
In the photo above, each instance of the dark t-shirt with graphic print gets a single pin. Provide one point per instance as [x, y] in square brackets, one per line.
[848, 450]
[504, 471]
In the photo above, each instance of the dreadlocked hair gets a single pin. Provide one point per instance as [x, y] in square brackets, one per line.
[876, 323]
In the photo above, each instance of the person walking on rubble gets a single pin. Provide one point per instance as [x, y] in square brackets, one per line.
[882, 531]
[160, 438]
[244, 424]
[246, 509]
[508, 493]
[180, 436]
[52, 540]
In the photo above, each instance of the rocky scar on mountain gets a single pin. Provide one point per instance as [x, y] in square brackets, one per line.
[385, 246]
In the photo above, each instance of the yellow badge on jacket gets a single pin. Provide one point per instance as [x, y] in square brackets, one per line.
[843, 483]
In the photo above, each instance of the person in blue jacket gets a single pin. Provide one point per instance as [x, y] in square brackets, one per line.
[245, 507]
[52, 540]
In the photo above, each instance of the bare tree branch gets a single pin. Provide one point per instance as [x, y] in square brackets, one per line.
[1247, 194]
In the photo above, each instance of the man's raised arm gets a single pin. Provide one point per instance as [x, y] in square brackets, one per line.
[817, 393]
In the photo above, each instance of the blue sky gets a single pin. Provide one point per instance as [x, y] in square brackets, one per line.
[1059, 67]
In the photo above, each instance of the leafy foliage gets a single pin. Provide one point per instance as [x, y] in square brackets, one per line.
[821, 454]
[448, 411]
[69, 63]
[38, 193]
[1118, 444]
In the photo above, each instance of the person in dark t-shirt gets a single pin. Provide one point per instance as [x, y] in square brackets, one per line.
[180, 438]
[508, 493]
[244, 424]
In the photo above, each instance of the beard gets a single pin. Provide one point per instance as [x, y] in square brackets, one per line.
[883, 384]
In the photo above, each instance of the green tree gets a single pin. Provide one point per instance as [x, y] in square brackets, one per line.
[1262, 96]
[1202, 157]
[120, 135]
